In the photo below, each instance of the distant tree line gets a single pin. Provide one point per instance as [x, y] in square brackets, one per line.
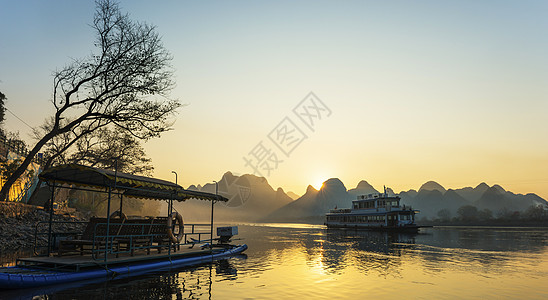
[469, 214]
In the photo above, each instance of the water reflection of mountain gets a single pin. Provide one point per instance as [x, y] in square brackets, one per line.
[487, 239]
[187, 283]
[495, 249]
[365, 250]
[332, 249]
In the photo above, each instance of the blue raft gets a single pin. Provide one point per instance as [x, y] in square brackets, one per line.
[18, 277]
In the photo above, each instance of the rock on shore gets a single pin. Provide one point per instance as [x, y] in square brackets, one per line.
[17, 231]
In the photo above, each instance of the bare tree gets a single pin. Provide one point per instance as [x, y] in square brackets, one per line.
[103, 147]
[124, 85]
[108, 149]
[2, 106]
[56, 150]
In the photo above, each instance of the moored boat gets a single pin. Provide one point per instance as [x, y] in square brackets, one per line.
[35, 275]
[377, 211]
[119, 246]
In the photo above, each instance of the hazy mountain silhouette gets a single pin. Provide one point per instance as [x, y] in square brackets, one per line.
[409, 194]
[427, 201]
[430, 199]
[473, 194]
[452, 200]
[313, 204]
[253, 199]
[432, 186]
[495, 198]
[430, 202]
[363, 188]
[293, 195]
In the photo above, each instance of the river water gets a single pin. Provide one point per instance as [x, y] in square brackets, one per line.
[295, 261]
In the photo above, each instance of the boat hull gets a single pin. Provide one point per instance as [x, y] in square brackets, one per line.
[410, 228]
[22, 277]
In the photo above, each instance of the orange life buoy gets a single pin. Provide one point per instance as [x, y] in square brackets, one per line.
[173, 219]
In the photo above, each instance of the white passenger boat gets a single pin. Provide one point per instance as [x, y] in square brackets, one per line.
[377, 211]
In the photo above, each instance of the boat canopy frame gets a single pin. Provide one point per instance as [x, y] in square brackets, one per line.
[75, 176]
[129, 185]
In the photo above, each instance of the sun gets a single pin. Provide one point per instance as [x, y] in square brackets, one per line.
[318, 183]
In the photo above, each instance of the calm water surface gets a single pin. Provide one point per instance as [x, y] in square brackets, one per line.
[310, 262]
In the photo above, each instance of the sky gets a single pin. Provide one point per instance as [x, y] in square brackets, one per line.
[396, 93]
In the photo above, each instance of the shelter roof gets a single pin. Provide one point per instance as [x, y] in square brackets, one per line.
[130, 185]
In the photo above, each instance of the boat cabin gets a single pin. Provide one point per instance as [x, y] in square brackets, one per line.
[374, 211]
[371, 201]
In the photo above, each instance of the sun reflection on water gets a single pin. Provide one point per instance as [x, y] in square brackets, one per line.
[295, 261]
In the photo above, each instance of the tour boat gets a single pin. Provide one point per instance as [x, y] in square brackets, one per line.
[118, 246]
[377, 211]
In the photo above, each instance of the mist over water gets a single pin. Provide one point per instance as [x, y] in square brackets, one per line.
[294, 261]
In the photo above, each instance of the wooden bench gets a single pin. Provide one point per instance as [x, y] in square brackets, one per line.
[159, 234]
[144, 234]
[93, 238]
[135, 234]
[124, 236]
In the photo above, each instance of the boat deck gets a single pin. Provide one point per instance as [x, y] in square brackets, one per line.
[79, 262]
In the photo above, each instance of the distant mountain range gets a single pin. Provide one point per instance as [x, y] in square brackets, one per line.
[252, 199]
[432, 197]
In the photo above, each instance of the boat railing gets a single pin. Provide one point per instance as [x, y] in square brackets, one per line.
[340, 210]
[124, 237]
[41, 230]
[143, 235]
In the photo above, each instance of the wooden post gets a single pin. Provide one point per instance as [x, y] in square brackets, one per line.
[107, 242]
[50, 217]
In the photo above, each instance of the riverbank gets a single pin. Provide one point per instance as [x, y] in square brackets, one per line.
[18, 225]
[488, 223]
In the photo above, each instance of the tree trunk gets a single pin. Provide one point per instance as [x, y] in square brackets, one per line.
[44, 167]
[23, 167]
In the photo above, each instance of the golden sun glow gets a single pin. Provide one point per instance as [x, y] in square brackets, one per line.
[318, 183]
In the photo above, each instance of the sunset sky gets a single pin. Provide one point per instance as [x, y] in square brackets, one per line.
[403, 91]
